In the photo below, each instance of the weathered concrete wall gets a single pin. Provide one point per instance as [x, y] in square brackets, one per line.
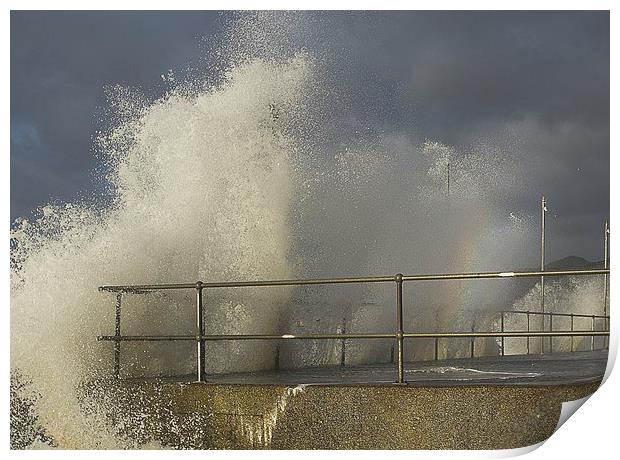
[219, 416]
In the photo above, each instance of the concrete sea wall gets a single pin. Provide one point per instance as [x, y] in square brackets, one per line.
[222, 416]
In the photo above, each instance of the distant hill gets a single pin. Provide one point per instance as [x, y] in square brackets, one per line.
[523, 285]
[573, 263]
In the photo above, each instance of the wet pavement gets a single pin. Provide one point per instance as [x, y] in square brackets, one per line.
[540, 369]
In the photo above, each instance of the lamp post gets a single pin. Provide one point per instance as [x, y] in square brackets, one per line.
[605, 279]
[543, 209]
[605, 265]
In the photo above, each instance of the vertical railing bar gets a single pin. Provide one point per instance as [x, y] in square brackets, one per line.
[528, 330]
[200, 331]
[117, 334]
[436, 338]
[572, 329]
[399, 326]
[592, 338]
[472, 344]
[551, 330]
[542, 329]
[343, 343]
[606, 338]
[502, 330]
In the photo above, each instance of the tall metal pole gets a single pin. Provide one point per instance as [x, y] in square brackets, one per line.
[399, 326]
[200, 332]
[605, 263]
[605, 279]
[448, 178]
[543, 209]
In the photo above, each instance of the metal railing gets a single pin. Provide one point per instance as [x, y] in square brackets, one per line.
[398, 334]
[528, 313]
[552, 315]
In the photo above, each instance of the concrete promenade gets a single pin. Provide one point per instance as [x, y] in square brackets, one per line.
[480, 403]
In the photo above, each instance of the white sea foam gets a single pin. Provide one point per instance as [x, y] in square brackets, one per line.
[202, 191]
[219, 179]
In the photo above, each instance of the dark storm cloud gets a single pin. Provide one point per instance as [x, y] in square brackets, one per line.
[456, 77]
[60, 64]
[538, 78]
[455, 70]
[499, 66]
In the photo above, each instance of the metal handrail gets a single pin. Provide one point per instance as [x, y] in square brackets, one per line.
[415, 335]
[135, 288]
[553, 313]
[399, 335]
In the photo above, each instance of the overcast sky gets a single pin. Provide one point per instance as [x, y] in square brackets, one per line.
[448, 76]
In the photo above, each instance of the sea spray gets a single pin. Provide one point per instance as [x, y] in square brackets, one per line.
[239, 176]
[576, 295]
[202, 188]
[259, 430]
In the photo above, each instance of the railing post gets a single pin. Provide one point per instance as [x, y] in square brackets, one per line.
[551, 329]
[527, 314]
[117, 335]
[502, 329]
[399, 327]
[472, 343]
[572, 329]
[592, 339]
[436, 338]
[343, 343]
[200, 331]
